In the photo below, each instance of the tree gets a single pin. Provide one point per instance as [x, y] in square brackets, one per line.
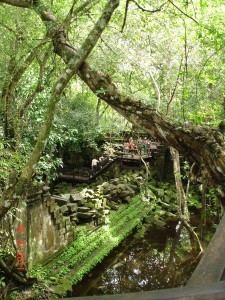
[74, 60]
[202, 145]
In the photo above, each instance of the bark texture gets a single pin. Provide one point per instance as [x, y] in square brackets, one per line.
[74, 62]
[204, 146]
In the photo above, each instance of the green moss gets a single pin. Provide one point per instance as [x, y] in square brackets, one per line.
[89, 248]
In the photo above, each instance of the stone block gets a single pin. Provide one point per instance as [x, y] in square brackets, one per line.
[72, 207]
[60, 239]
[46, 188]
[81, 202]
[67, 221]
[59, 219]
[62, 231]
[98, 205]
[53, 207]
[84, 215]
[127, 199]
[113, 192]
[63, 209]
[94, 201]
[125, 194]
[50, 201]
[90, 205]
[60, 200]
[83, 209]
[75, 197]
[93, 211]
[46, 195]
[73, 215]
[65, 196]
[60, 225]
[73, 219]
[68, 236]
[56, 213]
[68, 228]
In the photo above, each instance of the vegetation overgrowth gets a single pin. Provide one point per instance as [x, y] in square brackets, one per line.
[102, 239]
[75, 73]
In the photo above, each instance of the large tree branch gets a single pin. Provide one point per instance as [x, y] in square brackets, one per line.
[204, 146]
[19, 3]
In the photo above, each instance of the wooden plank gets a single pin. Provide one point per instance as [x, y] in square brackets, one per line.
[215, 291]
[211, 266]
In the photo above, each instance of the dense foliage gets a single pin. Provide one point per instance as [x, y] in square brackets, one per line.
[75, 72]
[172, 60]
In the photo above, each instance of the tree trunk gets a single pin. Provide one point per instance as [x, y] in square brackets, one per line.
[9, 197]
[204, 146]
[9, 91]
[179, 185]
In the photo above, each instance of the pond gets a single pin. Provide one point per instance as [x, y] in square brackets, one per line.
[151, 258]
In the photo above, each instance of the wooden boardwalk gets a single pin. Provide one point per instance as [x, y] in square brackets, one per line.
[79, 178]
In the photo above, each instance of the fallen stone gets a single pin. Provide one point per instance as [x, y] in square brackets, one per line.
[60, 200]
[84, 215]
[72, 207]
[63, 209]
[83, 209]
[76, 197]
[81, 202]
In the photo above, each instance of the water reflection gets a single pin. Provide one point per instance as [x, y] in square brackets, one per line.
[147, 260]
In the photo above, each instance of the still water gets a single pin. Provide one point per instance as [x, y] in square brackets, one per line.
[151, 258]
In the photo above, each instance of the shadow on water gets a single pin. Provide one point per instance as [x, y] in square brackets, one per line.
[146, 260]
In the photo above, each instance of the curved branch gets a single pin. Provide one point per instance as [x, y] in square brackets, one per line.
[180, 10]
[195, 142]
[74, 12]
[125, 15]
[74, 62]
[19, 3]
[73, 65]
[148, 10]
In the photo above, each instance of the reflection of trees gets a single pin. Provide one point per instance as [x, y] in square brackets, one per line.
[159, 260]
[182, 257]
[145, 267]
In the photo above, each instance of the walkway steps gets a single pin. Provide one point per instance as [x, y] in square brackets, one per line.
[88, 179]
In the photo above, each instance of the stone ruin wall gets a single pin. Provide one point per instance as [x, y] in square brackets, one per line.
[47, 230]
